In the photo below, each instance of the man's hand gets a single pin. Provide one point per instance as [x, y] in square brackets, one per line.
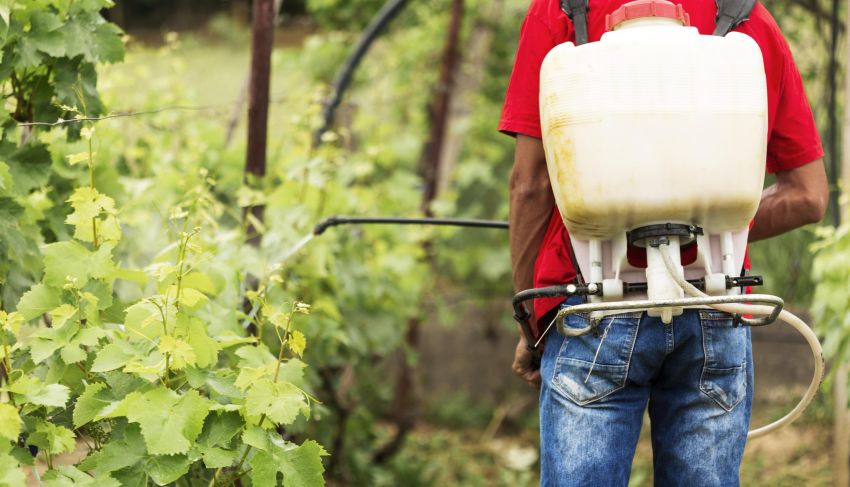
[523, 366]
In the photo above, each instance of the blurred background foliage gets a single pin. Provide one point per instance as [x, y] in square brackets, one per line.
[187, 61]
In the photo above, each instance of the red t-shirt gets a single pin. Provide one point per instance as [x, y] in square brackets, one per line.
[793, 139]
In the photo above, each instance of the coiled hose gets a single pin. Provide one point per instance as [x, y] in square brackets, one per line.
[787, 317]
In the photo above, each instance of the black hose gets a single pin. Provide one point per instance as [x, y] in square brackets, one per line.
[346, 72]
[451, 222]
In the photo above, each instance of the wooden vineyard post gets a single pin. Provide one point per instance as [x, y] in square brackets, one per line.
[841, 439]
[262, 35]
[841, 420]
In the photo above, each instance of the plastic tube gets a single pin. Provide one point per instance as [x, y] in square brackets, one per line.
[787, 317]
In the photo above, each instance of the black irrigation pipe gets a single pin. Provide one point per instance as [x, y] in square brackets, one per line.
[449, 222]
[346, 72]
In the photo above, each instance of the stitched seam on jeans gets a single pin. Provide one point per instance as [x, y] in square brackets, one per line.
[706, 351]
[672, 342]
[599, 398]
[632, 348]
[704, 359]
[731, 407]
[572, 397]
[560, 360]
[705, 367]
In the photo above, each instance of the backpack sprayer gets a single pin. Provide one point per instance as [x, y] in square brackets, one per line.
[655, 139]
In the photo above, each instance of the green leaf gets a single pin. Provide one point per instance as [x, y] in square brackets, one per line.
[47, 342]
[219, 381]
[52, 438]
[204, 347]
[61, 314]
[297, 342]
[143, 320]
[263, 470]
[126, 459]
[292, 371]
[256, 437]
[180, 353]
[199, 281]
[89, 404]
[302, 466]
[118, 453]
[165, 469]
[32, 390]
[255, 356]
[112, 356]
[132, 275]
[64, 262]
[250, 375]
[108, 45]
[220, 428]
[18, 246]
[44, 33]
[10, 422]
[70, 339]
[39, 300]
[100, 264]
[281, 402]
[30, 167]
[215, 457]
[11, 474]
[192, 299]
[89, 206]
[169, 422]
[5, 179]
[68, 476]
[69, 262]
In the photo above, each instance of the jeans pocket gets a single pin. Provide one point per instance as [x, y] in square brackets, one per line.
[593, 366]
[724, 372]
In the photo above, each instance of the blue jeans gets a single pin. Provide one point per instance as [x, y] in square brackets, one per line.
[696, 375]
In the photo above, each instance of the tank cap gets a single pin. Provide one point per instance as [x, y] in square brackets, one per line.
[646, 8]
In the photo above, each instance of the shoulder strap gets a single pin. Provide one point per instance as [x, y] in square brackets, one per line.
[576, 10]
[730, 13]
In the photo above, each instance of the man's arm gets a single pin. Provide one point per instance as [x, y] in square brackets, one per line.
[531, 204]
[799, 197]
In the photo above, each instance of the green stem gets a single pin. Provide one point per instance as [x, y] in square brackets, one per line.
[6, 359]
[276, 375]
[167, 378]
[181, 260]
[215, 477]
[91, 185]
[283, 341]
[79, 308]
[247, 450]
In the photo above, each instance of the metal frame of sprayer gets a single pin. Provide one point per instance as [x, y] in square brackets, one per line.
[653, 237]
[672, 294]
[662, 239]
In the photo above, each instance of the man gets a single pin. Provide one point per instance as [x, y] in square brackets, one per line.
[589, 432]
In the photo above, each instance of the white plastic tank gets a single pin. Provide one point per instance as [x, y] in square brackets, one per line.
[654, 123]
